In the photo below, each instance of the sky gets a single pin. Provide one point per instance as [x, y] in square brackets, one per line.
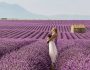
[54, 7]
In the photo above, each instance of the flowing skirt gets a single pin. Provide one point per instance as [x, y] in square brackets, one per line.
[52, 51]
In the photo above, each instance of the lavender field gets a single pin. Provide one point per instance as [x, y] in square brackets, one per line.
[23, 45]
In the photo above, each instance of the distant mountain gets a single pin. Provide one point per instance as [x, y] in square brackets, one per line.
[15, 11]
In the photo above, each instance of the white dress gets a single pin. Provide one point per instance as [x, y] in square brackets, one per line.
[52, 51]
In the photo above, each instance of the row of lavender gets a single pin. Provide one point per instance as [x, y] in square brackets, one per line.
[40, 29]
[26, 54]
[73, 55]
[45, 22]
[40, 34]
[33, 55]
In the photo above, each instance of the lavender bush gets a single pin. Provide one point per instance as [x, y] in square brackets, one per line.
[31, 57]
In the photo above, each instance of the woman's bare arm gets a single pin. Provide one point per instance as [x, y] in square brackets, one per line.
[53, 36]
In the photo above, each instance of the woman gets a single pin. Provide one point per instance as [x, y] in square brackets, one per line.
[52, 46]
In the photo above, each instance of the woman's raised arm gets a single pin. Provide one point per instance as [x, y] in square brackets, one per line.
[52, 37]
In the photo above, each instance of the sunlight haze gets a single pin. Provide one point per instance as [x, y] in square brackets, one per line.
[54, 7]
